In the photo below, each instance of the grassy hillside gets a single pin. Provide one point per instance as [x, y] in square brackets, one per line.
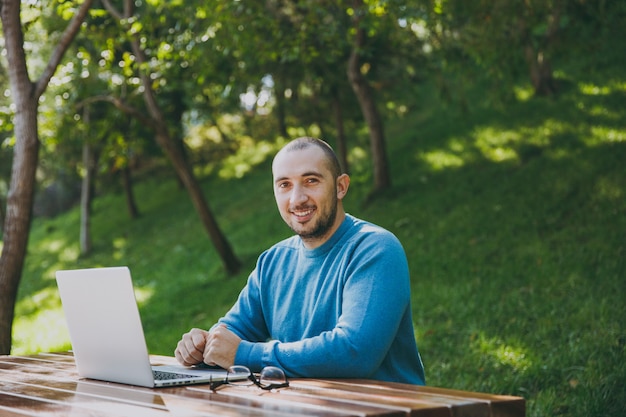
[513, 220]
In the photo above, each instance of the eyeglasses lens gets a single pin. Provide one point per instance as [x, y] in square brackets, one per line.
[272, 377]
[239, 375]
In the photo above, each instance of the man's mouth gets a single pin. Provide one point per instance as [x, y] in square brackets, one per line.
[303, 214]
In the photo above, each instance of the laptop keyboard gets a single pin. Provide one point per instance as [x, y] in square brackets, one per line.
[161, 375]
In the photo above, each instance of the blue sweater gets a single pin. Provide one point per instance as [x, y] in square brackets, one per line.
[341, 310]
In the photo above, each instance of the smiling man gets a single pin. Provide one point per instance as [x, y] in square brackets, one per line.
[309, 189]
[331, 301]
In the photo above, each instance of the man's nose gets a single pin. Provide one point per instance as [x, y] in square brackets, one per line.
[298, 196]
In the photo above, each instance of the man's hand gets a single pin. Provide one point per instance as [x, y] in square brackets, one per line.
[190, 348]
[221, 347]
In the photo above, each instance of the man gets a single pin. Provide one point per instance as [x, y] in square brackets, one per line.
[331, 301]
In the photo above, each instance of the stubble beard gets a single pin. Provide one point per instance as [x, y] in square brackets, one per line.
[321, 227]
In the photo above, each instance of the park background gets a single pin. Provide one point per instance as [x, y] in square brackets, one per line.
[506, 190]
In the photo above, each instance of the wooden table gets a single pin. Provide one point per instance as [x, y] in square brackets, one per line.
[47, 384]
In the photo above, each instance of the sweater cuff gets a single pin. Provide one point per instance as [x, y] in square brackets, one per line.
[249, 354]
[254, 355]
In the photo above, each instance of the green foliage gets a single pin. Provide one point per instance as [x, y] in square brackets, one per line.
[512, 217]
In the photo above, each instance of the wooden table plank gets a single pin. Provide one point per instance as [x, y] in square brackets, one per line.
[408, 406]
[47, 384]
[94, 397]
[412, 404]
[43, 366]
[60, 401]
[39, 367]
[53, 388]
[286, 400]
[273, 406]
[461, 402]
[24, 405]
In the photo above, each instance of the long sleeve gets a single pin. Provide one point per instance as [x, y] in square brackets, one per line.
[341, 310]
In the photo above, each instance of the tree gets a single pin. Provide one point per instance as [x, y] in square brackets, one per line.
[173, 150]
[308, 60]
[501, 36]
[25, 95]
[364, 93]
[303, 60]
[356, 37]
[86, 192]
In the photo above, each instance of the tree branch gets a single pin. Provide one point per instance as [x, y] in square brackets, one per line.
[111, 9]
[66, 39]
[121, 105]
[129, 8]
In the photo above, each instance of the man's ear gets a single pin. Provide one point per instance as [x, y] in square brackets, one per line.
[343, 183]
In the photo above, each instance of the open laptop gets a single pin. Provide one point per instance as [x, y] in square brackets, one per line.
[106, 332]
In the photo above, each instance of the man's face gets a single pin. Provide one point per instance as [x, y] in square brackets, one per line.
[306, 194]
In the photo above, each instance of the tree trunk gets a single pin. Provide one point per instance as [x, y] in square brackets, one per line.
[127, 182]
[19, 206]
[540, 72]
[2, 205]
[536, 51]
[25, 95]
[365, 96]
[229, 260]
[342, 147]
[184, 171]
[281, 113]
[86, 197]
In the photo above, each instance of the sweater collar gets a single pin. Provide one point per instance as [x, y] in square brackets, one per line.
[323, 249]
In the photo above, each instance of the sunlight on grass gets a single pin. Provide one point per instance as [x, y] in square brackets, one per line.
[495, 144]
[500, 145]
[603, 134]
[523, 93]
[143, 294]
[40, 323]
[120, 245]
[41, 300]
[593, 90]
[440, 159]
[44, 331]
[52, 245]
[603, 111]
[69, 253]
[501, 354]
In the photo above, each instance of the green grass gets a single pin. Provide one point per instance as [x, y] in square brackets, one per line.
[513, 220]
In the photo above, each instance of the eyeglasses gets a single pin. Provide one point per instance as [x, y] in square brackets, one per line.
[271, 377]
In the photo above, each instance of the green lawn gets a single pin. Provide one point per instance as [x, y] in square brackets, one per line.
[513, 219]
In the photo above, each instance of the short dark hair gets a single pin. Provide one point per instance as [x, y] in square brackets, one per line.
[307, 141]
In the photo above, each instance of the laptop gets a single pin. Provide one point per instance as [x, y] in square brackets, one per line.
[106, 332]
